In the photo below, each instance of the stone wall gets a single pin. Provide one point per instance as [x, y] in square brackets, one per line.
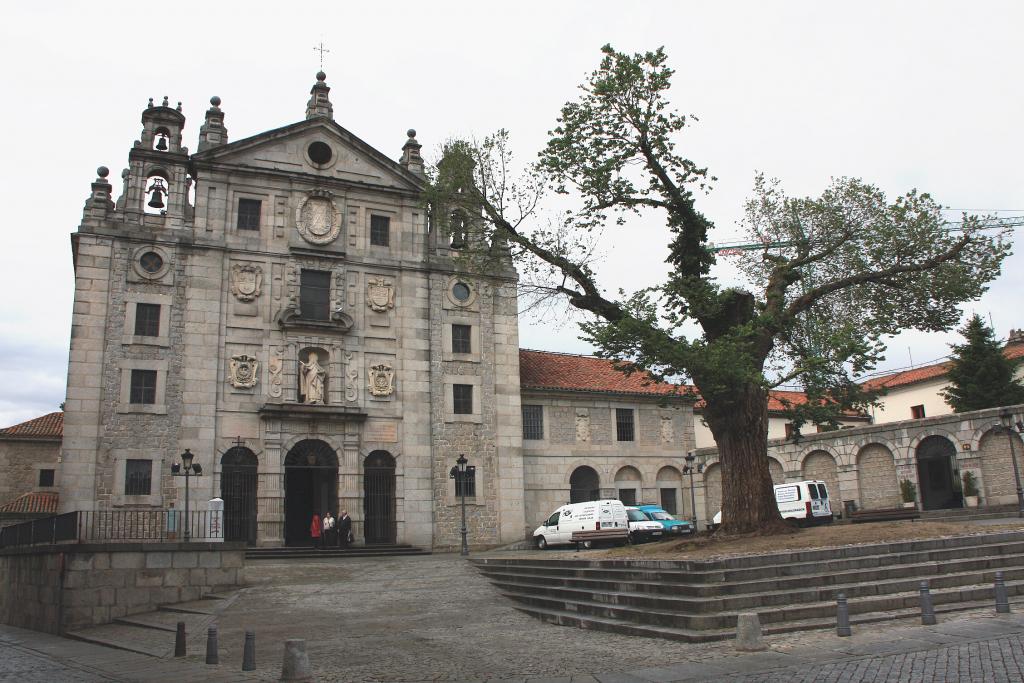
[20, 461]
[61, 588]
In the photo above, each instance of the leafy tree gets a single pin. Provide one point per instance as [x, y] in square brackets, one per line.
[980, 375]
[836, 273]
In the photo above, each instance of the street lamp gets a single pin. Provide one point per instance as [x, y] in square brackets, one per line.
[1006, 422]
[459, 474]
[187, 469]
[688, 469]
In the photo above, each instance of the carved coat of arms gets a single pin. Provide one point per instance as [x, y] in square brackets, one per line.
[246, 281]
[380, 294]
[318, 219]
[382, 380]
[242, 371]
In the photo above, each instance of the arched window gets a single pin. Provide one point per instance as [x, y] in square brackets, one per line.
[584, 485]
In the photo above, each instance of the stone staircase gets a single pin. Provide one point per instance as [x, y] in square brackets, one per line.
[305, 553]
[970, 514]
[698, 601]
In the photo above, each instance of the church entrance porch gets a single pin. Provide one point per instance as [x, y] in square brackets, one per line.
[238, 490]
[311, 487]
[937, 474]
[379, 498]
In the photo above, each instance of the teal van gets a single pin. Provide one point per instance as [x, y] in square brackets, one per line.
[673, 526]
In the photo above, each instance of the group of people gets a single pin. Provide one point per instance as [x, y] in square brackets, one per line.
[328, 531]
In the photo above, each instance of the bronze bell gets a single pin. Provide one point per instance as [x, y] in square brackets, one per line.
[161, 144]
[158, 189]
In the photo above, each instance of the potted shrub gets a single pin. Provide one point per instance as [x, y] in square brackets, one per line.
[970, 489]
[908, 491]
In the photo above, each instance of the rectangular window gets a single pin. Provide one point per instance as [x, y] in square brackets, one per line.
[466, 483]
[533, 422]
[147, 320]
[623, 424]
[315, 295]
[380, 231]
[143, 387]
[668, 501]
[460, 339]
[917, 412]
[462, 399]
[138, 477]
[46, 477]
[627, 496]
[249, 214]
[789, 430]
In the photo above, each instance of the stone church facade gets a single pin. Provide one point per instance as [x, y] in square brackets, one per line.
[281, 307]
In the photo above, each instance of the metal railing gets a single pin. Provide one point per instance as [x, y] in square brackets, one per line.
[116, 526]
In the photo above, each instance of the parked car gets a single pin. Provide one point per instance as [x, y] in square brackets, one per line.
[641, 528]
[805, 502]
[591, 518]
[672, 526]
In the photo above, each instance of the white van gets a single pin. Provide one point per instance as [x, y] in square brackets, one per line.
[806, 502]
[596, 519]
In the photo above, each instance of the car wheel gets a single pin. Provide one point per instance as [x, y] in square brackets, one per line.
[542, 543]
[632, 539]
[588, 544]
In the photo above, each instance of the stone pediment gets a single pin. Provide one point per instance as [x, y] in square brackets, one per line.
[295, 149]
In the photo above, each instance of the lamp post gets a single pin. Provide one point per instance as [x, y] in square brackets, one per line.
[688, 469]
[461, 483]
[1006, 422]
[187, 469]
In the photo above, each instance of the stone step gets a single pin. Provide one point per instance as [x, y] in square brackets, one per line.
[308, 553]
[206, 606]
[698, 593]
[164, 620]
[146, 641]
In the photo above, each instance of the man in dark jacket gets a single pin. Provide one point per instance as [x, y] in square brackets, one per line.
[344, 529]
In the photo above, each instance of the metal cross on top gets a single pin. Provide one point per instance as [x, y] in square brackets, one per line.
[321, 49]
[239, 442]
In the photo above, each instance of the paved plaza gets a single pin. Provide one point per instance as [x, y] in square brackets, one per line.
[435, 618]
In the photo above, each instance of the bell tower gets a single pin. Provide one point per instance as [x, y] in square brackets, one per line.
[158, 182]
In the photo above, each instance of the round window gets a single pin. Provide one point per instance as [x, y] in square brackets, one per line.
[461, 292]
[151, 262]
[319, 152]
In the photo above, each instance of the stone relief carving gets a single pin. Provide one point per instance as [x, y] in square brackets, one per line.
[242, 371]
[667, 431]
[382, 380]
[246, 281]
[313, 377]
[380, 294]
[276, 366]
[318, 220]
[351, 378]
[582, 426]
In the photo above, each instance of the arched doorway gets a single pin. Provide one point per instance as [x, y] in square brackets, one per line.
[238, 491]
[379, 498]
[584, 485]
[628, 485]
[936, 474]
[310, 486]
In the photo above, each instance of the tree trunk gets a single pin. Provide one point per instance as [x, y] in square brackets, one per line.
[738, 420]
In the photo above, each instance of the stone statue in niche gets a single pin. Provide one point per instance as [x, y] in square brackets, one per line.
[667, 432]
[246, 281]
[582, 426]
[276, 367]
[312, 378]
[242, 371]
[382, 380]
[351, 377]
[380, 294]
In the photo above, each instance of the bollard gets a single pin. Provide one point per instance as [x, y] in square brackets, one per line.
[842, 616]
[927, 611]
[1002, 600]
[249, 652]
[211, 645]
[179, 640]
[748, 633]
[296, 662]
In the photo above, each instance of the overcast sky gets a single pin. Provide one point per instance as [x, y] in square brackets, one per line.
[907, 94]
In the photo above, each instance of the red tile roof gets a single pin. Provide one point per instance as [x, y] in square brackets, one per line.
[927, 372]
[49, 426]
[40, 501]
[568, 372]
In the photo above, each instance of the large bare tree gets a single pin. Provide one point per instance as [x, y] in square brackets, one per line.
[835, 275]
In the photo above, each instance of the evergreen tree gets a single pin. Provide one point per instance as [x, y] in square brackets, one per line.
[981, 376]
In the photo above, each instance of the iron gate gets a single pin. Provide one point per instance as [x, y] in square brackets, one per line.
[379, 498]
[238, 490]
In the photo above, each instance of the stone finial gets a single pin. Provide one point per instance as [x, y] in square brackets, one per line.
[411, 157]
[99, 203]
[213, 133]
[150, 105]
[166, 102]
[319, 103]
